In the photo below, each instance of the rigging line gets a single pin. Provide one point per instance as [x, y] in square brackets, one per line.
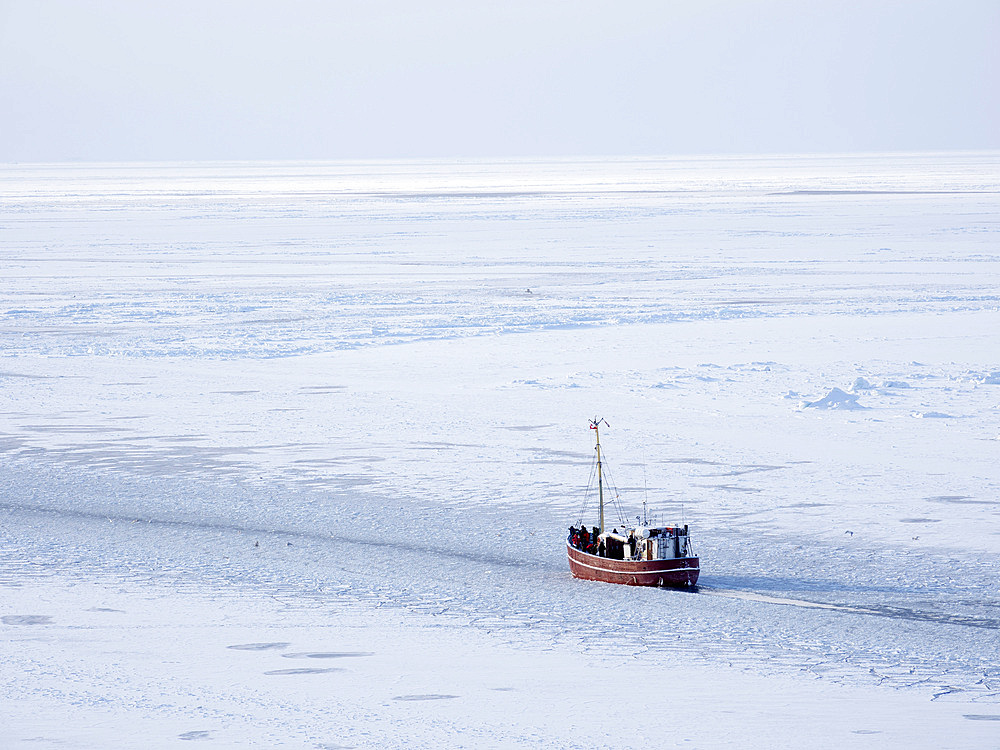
[645, 492]
[615, 497]
[612, 487]
[590, 485]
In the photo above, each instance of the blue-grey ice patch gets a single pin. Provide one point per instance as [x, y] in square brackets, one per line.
[26, 619]
[931, 415]
[837, 399]
[327, 654]
[305, 670]
[895, 384]
[424, 697]
[199, 734]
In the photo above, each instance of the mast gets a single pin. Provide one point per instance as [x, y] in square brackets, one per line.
[594, 425]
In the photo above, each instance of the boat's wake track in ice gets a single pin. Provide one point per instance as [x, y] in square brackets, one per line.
[895, 613]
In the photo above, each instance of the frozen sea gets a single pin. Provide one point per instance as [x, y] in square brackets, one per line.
[288, 452]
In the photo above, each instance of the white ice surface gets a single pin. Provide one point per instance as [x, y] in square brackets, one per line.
[344, 407]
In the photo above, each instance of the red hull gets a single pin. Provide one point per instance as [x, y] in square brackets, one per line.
[681, 571]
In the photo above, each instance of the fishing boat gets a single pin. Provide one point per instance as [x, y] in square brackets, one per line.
[636, 555]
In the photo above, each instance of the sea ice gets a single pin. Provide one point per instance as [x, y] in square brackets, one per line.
[289, 452]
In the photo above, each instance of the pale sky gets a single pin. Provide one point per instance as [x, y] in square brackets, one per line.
[312, 79]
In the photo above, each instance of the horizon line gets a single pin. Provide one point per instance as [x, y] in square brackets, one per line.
[706, 156]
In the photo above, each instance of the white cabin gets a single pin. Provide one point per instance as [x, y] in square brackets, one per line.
[667, 543]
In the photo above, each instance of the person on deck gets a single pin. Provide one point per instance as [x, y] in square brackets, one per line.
[584, 538]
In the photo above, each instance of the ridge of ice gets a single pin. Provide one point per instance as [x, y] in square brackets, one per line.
[861, 384]
[837, 399]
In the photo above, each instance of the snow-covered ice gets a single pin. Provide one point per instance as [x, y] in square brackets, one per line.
[289, 451]
[837, 399]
